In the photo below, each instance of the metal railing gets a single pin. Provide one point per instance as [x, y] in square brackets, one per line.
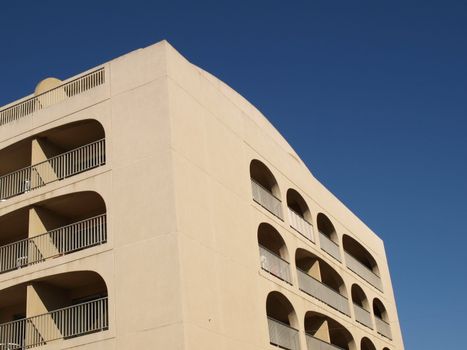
[320, 291]
[329, 246]
[383, 328]
[266, 199]
[274, 264]
[61, 241]
[69, 322]
[313, 343]
[362, 316]
[283, 335]
[363, 271]
[53, 96]
[302, 226]
[53, 169]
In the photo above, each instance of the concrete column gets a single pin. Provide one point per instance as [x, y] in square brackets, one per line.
[41, 150]
[323, 331]
[315, 270]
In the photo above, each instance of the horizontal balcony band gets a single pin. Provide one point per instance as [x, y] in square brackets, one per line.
[383, 328]
[266, 199]
[313, 343]
[283, 335]
[329, 246]
[362, 316]
[274, 264]
[298, 223]
[363, 271]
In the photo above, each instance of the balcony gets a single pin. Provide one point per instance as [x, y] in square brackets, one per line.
[53, 169]
[282, 335]
[298, 223]
[329, 246]
[67, 90]
[322, 292]
[363, 316]
[274, 264]
[266, 199]
[65, 323]
[363, 271]
[383, 328]
[313, 343]
[64, 240]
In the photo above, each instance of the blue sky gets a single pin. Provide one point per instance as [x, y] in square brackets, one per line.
[371, 94]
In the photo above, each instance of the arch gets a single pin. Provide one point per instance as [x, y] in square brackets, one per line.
[366, 344]
[282, 321]
[261, 174]
[359, 297]
[379, 310]
[360, 253]
[70, 297]
[326, 227]
[298, 204]
[51, 228]
[274, 255]
[320, 328]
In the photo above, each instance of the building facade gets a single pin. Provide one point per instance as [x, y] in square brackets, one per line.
[145, 204]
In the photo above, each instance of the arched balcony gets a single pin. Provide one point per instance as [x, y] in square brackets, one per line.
[299, 214]
[329, 241]
[361, 306]
[51, 156]
[282, 322]
[321, 281]
[51, 228]
[360, 261]
[367, 344]
[324, 333]
[265, 188]
[381, 319]
[273, 253]
[57, 307]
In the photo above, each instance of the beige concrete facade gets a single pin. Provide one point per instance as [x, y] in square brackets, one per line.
[145, 204]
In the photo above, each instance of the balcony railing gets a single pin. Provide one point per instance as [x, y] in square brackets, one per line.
[313, 343]
[383, 328]
[64, 323]
[283, 335]
[274, 264]
[51, 97]
[363, 271]
[266, 199]
[63, 240]
[329, 246]
[322, 292]
[362, 316]
[53, 169]
[298, 223]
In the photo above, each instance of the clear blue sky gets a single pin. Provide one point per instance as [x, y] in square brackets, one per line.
[371, 94]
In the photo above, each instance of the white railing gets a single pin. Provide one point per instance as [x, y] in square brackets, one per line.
[298, 223]
[53, 169]
[322, 292]
[363, 271]
[283, 335]
[274, 264]
[64, 323]
[313, 343]
[51, 97]
[329, 246]
[383, 328]
[63, 240]
[266, 199]
[362, 316]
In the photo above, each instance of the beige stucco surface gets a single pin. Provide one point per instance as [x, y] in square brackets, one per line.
[181, 262]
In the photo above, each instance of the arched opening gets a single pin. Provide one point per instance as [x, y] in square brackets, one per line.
[282, 322]
[321, 330]
[329, 241]
[52, 228]
[318, 279]
[274, 256]
[381, 318]
[367, 344]
[265, 188]
[55, 307]
[299, 214]
[360, 261]
[361, 306]
[50, 156]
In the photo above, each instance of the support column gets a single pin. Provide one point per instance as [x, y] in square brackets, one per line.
[45, 172]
